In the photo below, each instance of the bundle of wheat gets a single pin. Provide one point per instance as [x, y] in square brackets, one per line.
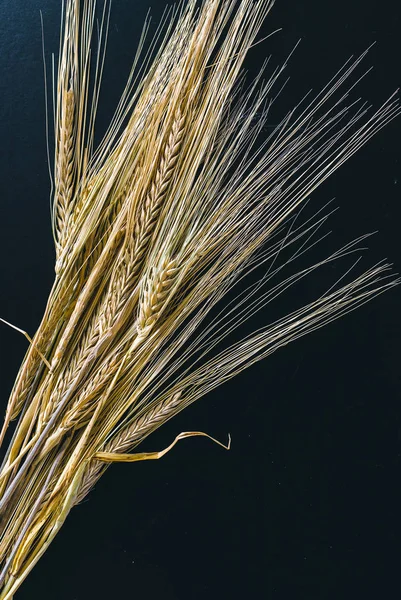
[154, 229]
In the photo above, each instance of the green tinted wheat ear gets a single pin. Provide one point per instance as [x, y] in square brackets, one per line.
[64, 171]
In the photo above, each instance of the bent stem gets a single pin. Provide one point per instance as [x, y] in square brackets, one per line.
[22, 559]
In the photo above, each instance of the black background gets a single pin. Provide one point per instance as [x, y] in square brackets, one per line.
[306, 505]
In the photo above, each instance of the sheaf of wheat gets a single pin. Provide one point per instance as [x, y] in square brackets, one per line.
[157, 228]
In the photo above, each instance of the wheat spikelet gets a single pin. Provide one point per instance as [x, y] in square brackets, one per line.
[130, 436]
[151, 207]
[145, 424]
[65, 170]
[77, 360]
[83, 404]
[32, 366]
[29, 376]
[96, 243]
[130, 263]
[156, 290]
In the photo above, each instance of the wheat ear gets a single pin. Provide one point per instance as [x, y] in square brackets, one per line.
[65, 170]
[150, 210]
[144, 425]
[131, 262]
[130, 436]
[156, 290]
